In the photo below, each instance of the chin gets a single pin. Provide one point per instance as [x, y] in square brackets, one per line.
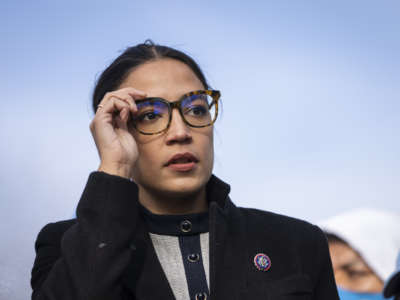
[174, 186]
[184, 185]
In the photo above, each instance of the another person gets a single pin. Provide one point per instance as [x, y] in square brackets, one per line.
[392, 285]
[153, 221]
[363, 245]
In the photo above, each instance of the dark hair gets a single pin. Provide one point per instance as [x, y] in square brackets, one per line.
[133, 57]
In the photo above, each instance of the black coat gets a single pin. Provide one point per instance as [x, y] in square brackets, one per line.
[106, 252]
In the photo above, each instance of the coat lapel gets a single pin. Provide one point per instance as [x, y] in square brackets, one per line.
[145, 278]
[228, 252]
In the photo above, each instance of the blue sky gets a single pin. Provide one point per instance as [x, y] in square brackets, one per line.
[310, 92]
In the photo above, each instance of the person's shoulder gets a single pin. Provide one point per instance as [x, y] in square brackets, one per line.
[260, 221]
[266, 229]
[53, 232]
[271, 218]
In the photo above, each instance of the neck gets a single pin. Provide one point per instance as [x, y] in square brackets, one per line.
[163, 204]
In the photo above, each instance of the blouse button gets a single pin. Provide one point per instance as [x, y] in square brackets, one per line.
[193, 257]
[201, 296]
[186, 226]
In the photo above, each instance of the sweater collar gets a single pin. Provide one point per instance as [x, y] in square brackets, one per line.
[176, 225]
[188, 224]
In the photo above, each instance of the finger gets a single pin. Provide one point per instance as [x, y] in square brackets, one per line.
[130, 95]
[112, 108]
[133, 92]
[122, 118]
[131, 102]
[116, 113]
[126, 94]
[121, 112]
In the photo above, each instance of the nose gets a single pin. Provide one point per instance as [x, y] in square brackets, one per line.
[178, 131]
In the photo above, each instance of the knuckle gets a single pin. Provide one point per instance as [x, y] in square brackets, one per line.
[127, 100]
[108, 95]
[124, 102]
[94, 122]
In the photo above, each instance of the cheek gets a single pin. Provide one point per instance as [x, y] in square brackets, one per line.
[212, 147]
[208, 148]
[148, 159]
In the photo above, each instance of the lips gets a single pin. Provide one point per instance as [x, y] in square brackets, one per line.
[182, 162]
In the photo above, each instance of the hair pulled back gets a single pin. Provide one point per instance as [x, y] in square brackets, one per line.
[134, 56]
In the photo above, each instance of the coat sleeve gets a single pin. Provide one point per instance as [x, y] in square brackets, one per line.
[325, 288]
[94, 252]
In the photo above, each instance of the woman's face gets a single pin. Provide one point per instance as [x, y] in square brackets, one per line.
[351, 271]
[153, 171]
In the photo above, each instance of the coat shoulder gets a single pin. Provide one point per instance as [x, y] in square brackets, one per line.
[262, 217]
[298, 251]
[283, 227]
[53, 232]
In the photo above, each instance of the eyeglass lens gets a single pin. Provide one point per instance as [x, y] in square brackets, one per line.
[153, 115]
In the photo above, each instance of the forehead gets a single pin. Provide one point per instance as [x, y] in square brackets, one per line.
[166, 78]
[342, 254]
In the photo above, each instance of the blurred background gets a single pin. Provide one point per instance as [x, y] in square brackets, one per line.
[310, 91]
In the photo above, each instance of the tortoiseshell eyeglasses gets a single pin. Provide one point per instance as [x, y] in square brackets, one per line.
[197, 109]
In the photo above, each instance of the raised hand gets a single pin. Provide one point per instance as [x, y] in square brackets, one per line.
[116, 145]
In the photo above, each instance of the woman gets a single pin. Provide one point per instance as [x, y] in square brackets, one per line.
[363, 245]
[153, 222]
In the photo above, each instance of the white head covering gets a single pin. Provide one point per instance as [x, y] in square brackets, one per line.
[374, 234]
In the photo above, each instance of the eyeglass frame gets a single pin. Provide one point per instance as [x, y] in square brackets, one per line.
[215, 95]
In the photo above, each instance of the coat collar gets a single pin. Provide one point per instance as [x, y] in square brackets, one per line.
[217, 192]
[145, 278]
[227, 237]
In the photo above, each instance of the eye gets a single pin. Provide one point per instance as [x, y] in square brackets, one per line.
[357, 273]
[149, 116]
[196, 110]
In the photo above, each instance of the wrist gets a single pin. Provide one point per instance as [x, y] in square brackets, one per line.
[116, 169]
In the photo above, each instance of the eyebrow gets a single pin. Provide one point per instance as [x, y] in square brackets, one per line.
[183, 96]
[349, 264]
